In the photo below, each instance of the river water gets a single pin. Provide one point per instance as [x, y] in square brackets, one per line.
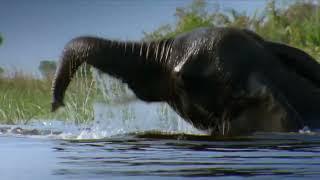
[147, 147]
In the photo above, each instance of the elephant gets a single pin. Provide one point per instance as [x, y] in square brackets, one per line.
[225, 81]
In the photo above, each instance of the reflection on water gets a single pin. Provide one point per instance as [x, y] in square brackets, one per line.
[154, 154]
[189, 157]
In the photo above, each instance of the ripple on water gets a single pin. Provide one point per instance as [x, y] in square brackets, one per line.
[180, 155]
[156, 153]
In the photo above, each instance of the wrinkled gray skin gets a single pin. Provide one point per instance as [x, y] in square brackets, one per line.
[223, 80]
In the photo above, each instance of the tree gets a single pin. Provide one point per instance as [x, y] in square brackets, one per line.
[1, 39]
[188, 18]
[300, 11]
[47, 68]
[1, 72]
[295, 22]
[1, 69]
[197, 15]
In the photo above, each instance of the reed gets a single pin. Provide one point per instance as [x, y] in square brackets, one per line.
[24, 98]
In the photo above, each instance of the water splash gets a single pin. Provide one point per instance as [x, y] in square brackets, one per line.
[306, 130]
[135, 117]
[117, 111]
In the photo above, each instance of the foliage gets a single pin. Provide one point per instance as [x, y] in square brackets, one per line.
[188, 18]
[1, 72]
[298, 24]
[47, 68]
[1, 39]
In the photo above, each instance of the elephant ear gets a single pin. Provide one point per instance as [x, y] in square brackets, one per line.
[297, 60]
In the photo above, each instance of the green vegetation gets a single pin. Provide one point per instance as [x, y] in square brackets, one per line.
[23, 97]
[298, 24]
[1, 39]
[1, 72]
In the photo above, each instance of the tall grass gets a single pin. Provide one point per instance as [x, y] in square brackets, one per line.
[24, 98]
[80, 96]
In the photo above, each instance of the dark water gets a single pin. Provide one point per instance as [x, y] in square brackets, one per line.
[39, 154]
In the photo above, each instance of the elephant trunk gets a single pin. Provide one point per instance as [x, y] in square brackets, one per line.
[143, 66]
[76, 52]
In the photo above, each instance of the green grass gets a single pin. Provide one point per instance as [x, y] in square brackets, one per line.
[79, 98]
[24, 98]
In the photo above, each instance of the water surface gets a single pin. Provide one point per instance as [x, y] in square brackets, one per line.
[39, 152]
